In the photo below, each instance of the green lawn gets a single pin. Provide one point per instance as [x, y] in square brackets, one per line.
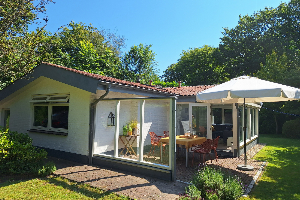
[52, 188]
[280, 180]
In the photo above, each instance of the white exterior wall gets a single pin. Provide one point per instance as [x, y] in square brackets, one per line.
[21, 115]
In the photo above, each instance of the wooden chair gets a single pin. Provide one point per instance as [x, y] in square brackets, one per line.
[155, 141]
[166, 133]
[204, 148]
[214, 146]
[202, 131]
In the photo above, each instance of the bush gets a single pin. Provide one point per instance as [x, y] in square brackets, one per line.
[19, 156]
[291, 129]
[210, 183]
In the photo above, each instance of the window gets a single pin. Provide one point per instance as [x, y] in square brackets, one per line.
[59, 117]
[228, 116]
[50, 114]
[217, 116]
[40, 116]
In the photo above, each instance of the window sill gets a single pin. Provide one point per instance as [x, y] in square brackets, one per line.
[48, 132]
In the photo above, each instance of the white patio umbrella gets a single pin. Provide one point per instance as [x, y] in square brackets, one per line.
[246, 89]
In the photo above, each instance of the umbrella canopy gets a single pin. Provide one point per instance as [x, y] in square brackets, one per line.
[253, 89]
[246, 89]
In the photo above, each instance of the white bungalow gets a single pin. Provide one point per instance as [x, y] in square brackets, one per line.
[80, 116]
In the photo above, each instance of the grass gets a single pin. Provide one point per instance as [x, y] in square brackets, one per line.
[52, 188]
[280, 179]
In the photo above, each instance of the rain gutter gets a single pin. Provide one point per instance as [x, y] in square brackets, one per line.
[92, 122]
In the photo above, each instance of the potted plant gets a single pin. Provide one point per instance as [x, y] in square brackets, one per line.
[133, 126]
[129, 130]
[125, 130]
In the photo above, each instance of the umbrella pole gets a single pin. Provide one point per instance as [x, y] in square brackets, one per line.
[245, 167]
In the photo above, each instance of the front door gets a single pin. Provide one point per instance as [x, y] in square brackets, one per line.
[200, 119]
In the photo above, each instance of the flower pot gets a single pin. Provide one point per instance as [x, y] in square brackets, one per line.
[134, 131]
[129, 133]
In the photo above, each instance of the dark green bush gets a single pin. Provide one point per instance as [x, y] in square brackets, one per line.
[19, 156]
[210, 183]
[291, 129]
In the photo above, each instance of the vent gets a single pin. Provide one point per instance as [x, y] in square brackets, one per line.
[39, 99]
[63, 98]
[50, 98]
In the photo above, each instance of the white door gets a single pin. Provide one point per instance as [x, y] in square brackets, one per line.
[200, 119]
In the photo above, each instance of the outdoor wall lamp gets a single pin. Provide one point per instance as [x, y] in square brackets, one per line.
[111, 119]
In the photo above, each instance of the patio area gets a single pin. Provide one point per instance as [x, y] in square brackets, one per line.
[226, 164]
[144, 187]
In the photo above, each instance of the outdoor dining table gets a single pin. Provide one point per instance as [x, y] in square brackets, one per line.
[188, 142]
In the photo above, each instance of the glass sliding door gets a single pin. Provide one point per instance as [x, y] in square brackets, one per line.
[200, 120]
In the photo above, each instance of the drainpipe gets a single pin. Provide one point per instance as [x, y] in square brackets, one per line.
[92, 123]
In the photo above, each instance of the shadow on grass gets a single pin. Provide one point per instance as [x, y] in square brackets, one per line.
[60, 182]
[6, 180]
[82, 188]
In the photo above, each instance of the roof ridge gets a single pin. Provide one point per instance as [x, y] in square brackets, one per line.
[181, 91]
[107, 78]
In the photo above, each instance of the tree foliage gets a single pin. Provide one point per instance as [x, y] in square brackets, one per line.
[18, 45]
[198, 66]
[86, 48]
[76, 45]
[167, 84]
[139, 64]
[264, 44]
[273, 30]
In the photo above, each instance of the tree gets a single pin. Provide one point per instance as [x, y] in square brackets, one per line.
[85, 48]
[139, 64]
[277, 69]
[245, 47]
[18, 45]
[167, 84]
[198, 66]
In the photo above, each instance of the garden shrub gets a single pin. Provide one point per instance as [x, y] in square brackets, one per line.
[291, 129]
[210, 183]
[19, 156]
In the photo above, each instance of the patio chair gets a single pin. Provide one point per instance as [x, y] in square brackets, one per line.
[202, 131]
[214, 146]
[155, 141]
[204, 148]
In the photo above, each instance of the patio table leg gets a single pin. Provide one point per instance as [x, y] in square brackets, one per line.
[161, 151]
[186, 156]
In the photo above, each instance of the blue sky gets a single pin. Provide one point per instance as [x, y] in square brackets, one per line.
[171, 26]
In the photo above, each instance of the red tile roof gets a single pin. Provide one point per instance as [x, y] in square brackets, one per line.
[181, 91]
[188, 90]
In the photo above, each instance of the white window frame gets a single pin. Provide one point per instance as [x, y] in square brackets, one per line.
[49, 101]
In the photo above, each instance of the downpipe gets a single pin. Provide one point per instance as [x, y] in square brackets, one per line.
[92, 122]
